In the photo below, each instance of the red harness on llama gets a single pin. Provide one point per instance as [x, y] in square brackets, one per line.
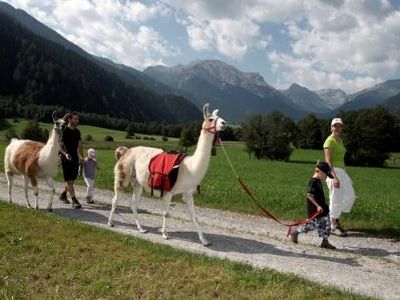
[164, 169]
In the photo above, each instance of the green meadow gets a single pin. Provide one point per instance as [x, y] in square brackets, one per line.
[280, 186]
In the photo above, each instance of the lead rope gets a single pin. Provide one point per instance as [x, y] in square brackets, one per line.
[257, 202]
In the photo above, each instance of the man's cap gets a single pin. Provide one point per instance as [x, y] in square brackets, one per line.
[324, 167]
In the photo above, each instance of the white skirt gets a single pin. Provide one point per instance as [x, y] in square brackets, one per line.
[340, 199]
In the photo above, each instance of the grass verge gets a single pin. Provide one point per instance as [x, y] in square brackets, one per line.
[46, 256]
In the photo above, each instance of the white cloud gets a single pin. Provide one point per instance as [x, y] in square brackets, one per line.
[220, 25]
[275, 11]
[306, 72]
[139, 12]
[351, 45]
[232, 38]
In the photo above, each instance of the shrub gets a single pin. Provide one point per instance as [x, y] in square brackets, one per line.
[88, 138]
[164, 138]
[32, 131]
[10, 133]
[108, 138]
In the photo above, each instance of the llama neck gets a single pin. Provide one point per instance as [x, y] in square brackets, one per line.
[51, 149]
[201, 157]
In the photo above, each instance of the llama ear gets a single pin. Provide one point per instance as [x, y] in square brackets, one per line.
[206, 111]
[54, 116]
[66, 117]
[215, 112]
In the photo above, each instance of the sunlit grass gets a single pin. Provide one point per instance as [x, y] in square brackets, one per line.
[44, 256]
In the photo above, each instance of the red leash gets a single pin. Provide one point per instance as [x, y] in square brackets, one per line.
[269, 214]
[259, 205]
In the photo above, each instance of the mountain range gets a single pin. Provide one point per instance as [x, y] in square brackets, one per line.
[237, 93]
[159, 93]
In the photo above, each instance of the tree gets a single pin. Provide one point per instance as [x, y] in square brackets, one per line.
[130, 131]
[310, 133]
[369, 135]
[269, 136]
[188, 136]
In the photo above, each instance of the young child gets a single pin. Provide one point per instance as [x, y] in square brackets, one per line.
[89, 167]
[316, 202]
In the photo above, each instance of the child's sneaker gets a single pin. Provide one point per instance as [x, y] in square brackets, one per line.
[294, 236]
[325, 244]
[89, 200]
[339, 231]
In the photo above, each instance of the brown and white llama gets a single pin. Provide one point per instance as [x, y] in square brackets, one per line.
[133, 167]
[34, 160]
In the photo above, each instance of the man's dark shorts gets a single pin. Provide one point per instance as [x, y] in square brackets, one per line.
[70, 169]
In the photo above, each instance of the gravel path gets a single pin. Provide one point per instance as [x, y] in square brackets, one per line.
[362, 264]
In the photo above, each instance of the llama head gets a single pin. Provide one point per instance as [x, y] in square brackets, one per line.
[212, 122]
[59, 125]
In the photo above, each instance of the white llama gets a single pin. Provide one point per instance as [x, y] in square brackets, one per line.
[133, 167]
[34, 160]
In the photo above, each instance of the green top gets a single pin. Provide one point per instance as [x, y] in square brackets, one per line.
[338, 151]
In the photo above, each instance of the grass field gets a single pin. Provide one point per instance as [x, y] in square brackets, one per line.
[44, 256]
[279, 185]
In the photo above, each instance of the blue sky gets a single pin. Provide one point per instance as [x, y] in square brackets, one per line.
[347, 44]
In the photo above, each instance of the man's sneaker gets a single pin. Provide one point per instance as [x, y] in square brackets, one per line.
[89, 200]
[75, 203]
[63, 198]
[339, 231]
[325, 244]
[294, 236]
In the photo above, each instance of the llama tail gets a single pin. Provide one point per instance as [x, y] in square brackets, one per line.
[7, 159]
[120, 151]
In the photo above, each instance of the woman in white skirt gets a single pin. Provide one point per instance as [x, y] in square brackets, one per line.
[341, 192]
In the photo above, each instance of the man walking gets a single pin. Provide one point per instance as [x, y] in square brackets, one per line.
[72, 156]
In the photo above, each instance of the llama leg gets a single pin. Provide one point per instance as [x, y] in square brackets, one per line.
[115, 201]
[167, 201]
[50, 183]
[10, 179]
[26, 184]
[188, 198]
[35, 188]
[137, 191]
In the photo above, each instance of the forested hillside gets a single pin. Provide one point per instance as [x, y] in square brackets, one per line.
[34, 70]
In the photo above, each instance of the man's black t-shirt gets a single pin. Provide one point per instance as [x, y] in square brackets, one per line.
[71, 138]
[317, 191]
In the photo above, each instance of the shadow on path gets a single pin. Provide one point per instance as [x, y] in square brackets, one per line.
[219, 242]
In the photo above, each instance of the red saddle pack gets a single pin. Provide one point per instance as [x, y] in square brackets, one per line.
[164, 169]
